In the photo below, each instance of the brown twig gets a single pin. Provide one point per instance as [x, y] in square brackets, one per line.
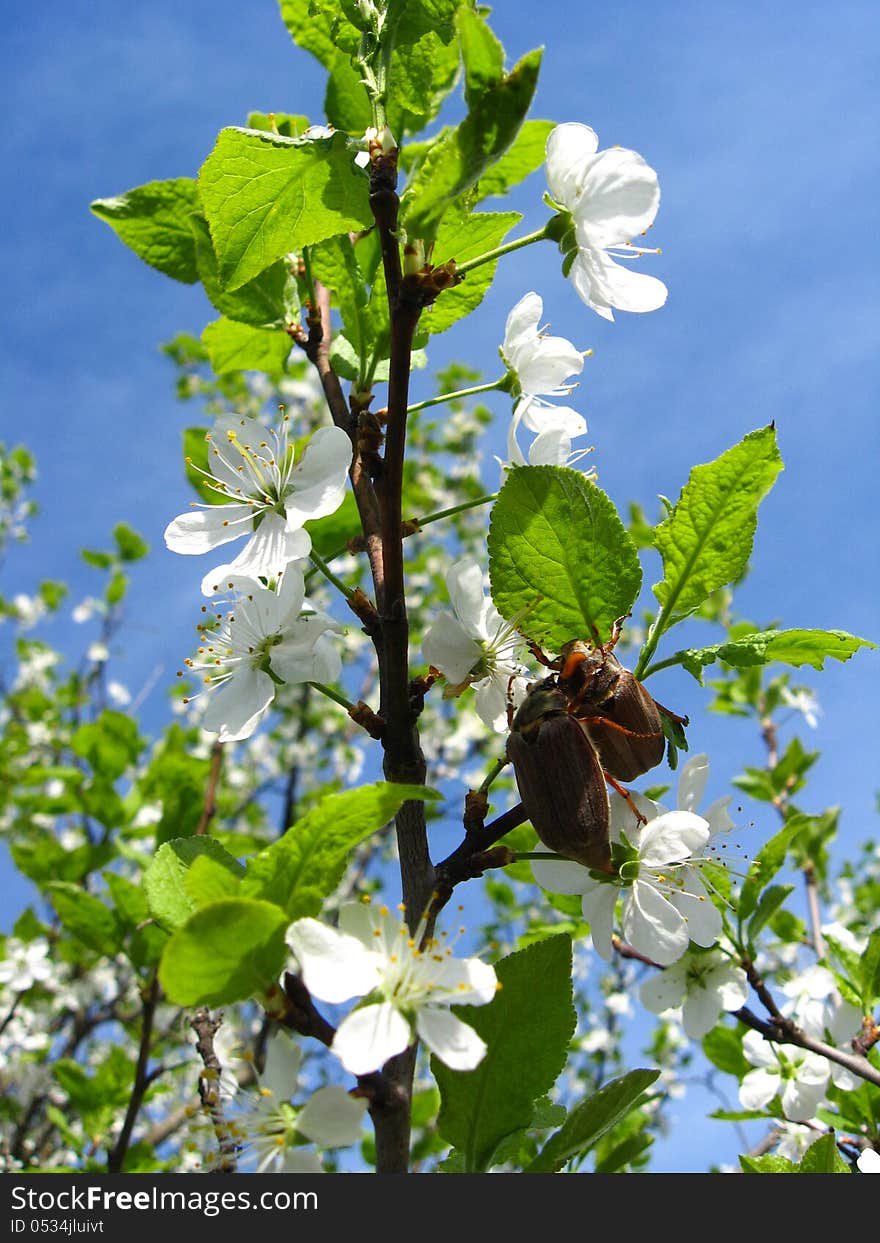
[142, 1080]
[210, 806]
[206, 1029]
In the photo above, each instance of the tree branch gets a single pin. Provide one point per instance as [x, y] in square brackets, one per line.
[116, 1156]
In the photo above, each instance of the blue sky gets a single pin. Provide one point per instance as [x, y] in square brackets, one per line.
[758, 119]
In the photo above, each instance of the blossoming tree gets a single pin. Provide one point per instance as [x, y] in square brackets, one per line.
[381, 610]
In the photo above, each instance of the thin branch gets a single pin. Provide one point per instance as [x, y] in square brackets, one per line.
[783, 1031]
[206, 1029]
[116, 1156]
[210, 807]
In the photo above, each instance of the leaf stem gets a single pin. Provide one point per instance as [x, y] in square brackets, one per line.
[507, 249]
[321, 565]
[459, 393]
[456, 509]
[332, 694]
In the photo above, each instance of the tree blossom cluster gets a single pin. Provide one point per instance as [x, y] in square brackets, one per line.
[270, 491]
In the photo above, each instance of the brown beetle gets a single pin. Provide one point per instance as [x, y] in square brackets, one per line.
[624, 722]
[559, 777]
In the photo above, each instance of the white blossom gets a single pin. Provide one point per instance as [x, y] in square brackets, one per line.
[797, 1075]
[25, 963]
[613, 196]
[409, 989]
[270, 496]
[665, 902]
[273, 1129]
[702, 984]
[805, 702]
[262, 640]
[868, 1161]
[539, 365]
[475, 646]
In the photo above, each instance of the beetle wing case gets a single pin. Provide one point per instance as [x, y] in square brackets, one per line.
[626, 729]
[562, 787]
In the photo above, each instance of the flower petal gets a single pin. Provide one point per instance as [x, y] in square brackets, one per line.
[700, 1013]
[283, 1058]
[758, 1088]
[570, 149]
[464, 582]
[598, 906]
[672, 837]
[652, 925]
[200, 530]
[235, 710]
[550, 448]
[539, 416]
[546, 364]
[604, 284]
[467, 981]
[457, 1045]
[491, 702]
[267, 554]
[319, 479]
[331, 1118]
[563, 876]
[664, 991]
[801, 1099]
[620, 194]
[692, 782]
[522, 324]
[368, 1037]
[334, 965]
[704, 923]
[448, 647]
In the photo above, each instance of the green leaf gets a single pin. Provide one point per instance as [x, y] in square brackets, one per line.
[527, 1029]
[209, 880]
[299, 870]
[787, 647]
[767, 863]
[870, 979]
[462, 238]
[165, 880]
[482, 54]
[822, 1157]
[522, 158]
[346, 102]
[129, 545]
[110, 744]
[423, 72]
[767, 1165]
[128, 899]
[268, 301]
[463, 154]
[265, 195]
[227, 951]
[85, 917]
[723, 1047]
[153, 220]
[771, 900]
[321, 33]
[239, 347]
[334, 263]
[707, 539]
[557, 545]
[586, 1124]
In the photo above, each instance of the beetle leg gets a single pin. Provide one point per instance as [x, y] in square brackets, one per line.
[673, 716]
[541, 657]
[625, 794]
